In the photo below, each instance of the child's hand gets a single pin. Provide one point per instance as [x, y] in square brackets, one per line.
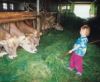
[70, 51]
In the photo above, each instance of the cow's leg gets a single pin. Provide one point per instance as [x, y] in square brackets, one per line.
[12, 55]
[11, 47]
[2, 51]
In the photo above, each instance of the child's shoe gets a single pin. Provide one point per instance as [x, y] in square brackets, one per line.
[70, 69]
[79, 74]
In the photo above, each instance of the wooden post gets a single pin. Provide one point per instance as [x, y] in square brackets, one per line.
[38, 19]
[58, 14]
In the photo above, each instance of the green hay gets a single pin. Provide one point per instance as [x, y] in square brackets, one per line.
[46, 66]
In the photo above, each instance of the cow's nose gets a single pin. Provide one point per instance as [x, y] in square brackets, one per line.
[34, 49]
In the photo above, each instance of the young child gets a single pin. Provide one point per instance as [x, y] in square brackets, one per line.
[79, 50]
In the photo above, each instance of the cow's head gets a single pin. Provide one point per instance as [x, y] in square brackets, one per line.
[27, 44]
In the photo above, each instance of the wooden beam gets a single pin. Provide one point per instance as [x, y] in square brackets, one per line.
[6, 17]
[7, 20]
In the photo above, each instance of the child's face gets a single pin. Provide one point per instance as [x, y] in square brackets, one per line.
[83, 32]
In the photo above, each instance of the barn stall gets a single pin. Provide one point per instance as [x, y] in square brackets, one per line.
[47, 64]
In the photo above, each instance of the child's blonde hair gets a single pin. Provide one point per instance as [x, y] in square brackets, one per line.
[87, 28]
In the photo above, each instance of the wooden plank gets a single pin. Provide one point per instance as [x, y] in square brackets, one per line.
[15, 19]
[16, 16]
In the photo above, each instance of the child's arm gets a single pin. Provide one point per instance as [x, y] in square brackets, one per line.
[73, 49]
[82, 43]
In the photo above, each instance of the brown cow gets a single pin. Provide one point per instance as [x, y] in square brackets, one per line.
[22, 40]
[48, 21]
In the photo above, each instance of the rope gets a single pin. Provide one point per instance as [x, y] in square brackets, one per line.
[28, 8]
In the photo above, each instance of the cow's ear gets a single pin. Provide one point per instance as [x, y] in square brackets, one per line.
[3, 42]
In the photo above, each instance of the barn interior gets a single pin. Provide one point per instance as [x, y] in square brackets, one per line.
[59, 21]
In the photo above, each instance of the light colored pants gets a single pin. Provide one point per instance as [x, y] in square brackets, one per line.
[76, 62]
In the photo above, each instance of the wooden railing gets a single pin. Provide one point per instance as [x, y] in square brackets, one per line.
[6, 17]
